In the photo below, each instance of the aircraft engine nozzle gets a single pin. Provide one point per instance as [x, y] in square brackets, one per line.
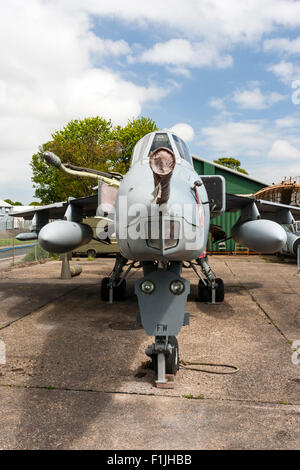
[260, 235]
[52, 159]
[162, 162]
[62, 236]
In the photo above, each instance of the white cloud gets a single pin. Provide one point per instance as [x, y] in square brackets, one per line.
[180, 71]
[49, 51]
[288, 122]
[276, 174]
[48, 77]
[183, 130]
[255, 99]
[235, 138]
[283, 45]
[283, 150]
[233, 20]
[287, 72]
[217, 103]
[266, 149]
[181, 52]
[210, 28]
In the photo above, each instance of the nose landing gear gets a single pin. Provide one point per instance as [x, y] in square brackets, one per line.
[164, 354]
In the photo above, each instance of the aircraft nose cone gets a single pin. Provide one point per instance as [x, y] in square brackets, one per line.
[50, 238]
[277, 238]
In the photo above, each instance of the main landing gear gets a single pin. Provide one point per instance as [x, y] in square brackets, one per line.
[114, 286]
[210, 288]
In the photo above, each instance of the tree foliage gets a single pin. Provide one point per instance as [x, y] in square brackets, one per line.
[232, 163]
[9, 201]
[91, 143]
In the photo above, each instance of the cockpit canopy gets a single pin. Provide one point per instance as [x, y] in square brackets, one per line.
[154, 140]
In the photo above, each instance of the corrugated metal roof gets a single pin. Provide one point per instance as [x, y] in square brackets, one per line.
[238, 173]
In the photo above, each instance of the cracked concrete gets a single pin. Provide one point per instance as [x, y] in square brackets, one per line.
[72, 381]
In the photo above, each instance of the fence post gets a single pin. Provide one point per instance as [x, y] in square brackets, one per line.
[13, 250]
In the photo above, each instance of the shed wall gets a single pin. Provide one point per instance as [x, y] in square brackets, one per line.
[235, 184]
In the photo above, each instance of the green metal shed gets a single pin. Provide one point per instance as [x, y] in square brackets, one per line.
[236, 183]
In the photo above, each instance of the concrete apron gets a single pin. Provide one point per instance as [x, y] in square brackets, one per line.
[83, 367]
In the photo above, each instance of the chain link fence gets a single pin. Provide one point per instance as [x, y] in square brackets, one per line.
[13, 252]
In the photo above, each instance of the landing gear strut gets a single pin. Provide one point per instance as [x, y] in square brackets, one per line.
[114, 286]
[118, 290]
[164, 354]
[210, 289]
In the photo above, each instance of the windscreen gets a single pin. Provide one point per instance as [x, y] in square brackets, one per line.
[160, 140]
[182, 149]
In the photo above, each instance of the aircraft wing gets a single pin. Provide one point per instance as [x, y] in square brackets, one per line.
[267, 209]
[57, 210]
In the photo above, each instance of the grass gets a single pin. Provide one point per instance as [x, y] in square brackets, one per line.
[9, 242]
[30, 256]
[90, 258]
[191, 397]
[272, 260]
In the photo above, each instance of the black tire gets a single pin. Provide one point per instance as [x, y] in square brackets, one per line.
[204, 292]
[220, 291]
[91, 254]
[120, 291]
[105, 289]
[172, 359]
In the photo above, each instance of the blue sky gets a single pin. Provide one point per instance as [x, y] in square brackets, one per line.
[220, 73]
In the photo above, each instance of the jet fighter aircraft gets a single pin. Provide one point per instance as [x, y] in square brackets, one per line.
[160, 213]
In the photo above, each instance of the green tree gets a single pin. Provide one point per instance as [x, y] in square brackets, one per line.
[9, 201]
[92, 143]
[232, 163]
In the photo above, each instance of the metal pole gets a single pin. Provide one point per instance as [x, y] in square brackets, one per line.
[35, 252]
[298, 259]
[65, 267]
[13, 250]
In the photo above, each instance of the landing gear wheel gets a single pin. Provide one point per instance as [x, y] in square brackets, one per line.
[204, 292]
[220, 290]
[172, 359]
[105, 289]
[119, 292]
[91, 253]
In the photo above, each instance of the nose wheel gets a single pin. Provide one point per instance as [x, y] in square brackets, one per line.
[172, 359]
[164, 360]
